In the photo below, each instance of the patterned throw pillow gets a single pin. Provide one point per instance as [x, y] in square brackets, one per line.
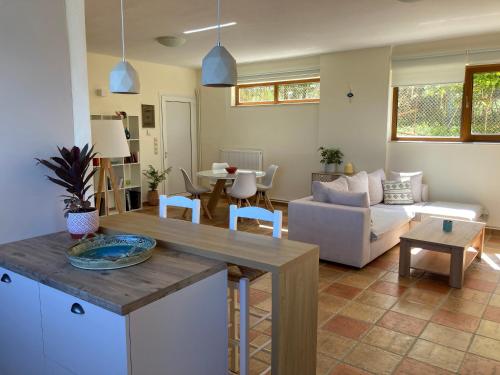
[397, 192]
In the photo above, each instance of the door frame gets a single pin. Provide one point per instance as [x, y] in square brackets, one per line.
[193, 131]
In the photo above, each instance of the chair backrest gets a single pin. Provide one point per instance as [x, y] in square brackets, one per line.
[269, 177]
[245, 185]
[258, 213]
[219, 166]
[180, 201]
[190, 188]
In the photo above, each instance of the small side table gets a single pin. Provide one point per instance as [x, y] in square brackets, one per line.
[327, 176]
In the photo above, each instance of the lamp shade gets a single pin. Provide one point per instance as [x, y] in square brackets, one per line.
[108, 137]
[124, 79]
[218, 68]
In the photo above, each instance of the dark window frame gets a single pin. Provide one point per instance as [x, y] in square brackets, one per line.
[276, 93]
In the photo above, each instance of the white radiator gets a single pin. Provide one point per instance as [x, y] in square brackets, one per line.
[243, 159]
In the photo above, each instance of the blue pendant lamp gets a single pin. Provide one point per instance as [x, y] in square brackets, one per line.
[124, 79]
[218, 68]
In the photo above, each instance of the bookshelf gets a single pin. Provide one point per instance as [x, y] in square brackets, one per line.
[128, 172]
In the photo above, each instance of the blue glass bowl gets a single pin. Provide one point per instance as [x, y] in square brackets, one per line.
[111, 252]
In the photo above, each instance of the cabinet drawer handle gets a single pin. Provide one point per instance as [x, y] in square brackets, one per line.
[77, 309]
[6, 279]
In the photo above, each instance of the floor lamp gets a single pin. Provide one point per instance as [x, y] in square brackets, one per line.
[108, 137]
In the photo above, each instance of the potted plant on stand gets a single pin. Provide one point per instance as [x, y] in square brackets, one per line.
[331, 158]
[155, 177]
[72, 172]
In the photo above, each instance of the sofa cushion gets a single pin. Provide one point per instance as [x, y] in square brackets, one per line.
[320, 189]
[453, 210]
[397, 192]
[348, 198]
[385, 220]
[358, 183]
[416, 182]
[375, 188]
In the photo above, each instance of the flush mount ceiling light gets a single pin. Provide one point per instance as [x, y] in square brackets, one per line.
[210, 28]
[218, 68]
[171, 41]
[124, 79]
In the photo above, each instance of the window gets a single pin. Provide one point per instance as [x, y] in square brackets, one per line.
[284, 92]
[468, 111]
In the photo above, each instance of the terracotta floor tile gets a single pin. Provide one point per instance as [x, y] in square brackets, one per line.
[497, 290]
[330, 302]
[482, 274]
[474, 365]
[383, 301]
[471, 295]
[373, 359]
[343, 369]
[323, 316]
[356, 280]
[333, 345]
[492, 313]
[447, 336]
[436, 355]
[485, 347]
[459, 305]
[323, 284]
[263, 284]
[347, 327]
[424, 297]
[495, 300]
[416, 310]
[370, 271]
[389, 340]
[484, 286]
[344, 291]
[394, 277]
[385, 287]
[362, 312]
[434, 285]
[385, 264]
[258, 296]
[330, 273]
[323, 364]
[411, 366]
[402, 323]
[458, 321]
[489, 329]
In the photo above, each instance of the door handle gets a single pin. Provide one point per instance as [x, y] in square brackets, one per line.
[77, 309]
[6, 279]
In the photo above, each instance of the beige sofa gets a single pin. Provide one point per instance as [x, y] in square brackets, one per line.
[355, 236]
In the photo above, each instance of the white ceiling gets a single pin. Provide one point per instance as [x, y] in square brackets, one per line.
[273, 29]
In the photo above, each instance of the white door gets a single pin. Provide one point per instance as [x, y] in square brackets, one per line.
[179, 137]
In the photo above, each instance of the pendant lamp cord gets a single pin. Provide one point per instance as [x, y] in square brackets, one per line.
[218, 22]
[123, 31]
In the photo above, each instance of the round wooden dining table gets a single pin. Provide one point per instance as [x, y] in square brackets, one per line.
[221, 177]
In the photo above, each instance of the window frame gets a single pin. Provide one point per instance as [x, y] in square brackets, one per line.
[466, 111]
[276, 100]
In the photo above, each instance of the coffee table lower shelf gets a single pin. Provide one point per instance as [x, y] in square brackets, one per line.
[438, 262]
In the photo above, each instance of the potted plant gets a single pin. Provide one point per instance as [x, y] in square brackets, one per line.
[72, 171]
[331, 158]
[154, 178]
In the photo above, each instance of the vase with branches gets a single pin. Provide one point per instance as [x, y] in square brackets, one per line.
[154, 178]
[331, 158]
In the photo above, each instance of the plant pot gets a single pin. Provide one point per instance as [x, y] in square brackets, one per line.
[82, 223]
[153, 198]
[330, 168]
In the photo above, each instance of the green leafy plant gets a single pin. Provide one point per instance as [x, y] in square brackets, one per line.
[331, 155]
[71, 170]
[154, 176]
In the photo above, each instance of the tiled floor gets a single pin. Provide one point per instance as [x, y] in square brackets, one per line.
[371, 321]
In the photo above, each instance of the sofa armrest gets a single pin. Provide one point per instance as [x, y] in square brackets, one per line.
[342, 232]
[425, 193]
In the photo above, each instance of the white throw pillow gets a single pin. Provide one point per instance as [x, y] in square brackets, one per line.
[320, 189]
[358, 183]
[415, 179]
[347, 198]
[375, 188]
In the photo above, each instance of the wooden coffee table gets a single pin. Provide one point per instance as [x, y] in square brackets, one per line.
[427, 247]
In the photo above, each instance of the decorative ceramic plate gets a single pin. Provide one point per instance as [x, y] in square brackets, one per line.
[111, 252]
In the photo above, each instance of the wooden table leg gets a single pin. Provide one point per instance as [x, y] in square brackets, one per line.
[295, 318]
[457, 268]
[216, 194]
[404, 258]
[479, 244]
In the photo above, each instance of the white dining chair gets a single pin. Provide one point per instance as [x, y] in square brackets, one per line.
[265, 186]
[180, 201]
[241, 280]
[195, 192]
[244, 187]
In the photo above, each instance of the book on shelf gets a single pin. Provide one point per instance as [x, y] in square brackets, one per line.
[127, 200]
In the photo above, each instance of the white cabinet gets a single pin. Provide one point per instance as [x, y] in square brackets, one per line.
[82, 337]
[21, 348]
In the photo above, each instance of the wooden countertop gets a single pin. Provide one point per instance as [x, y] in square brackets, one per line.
[241, 248]
[120, 291]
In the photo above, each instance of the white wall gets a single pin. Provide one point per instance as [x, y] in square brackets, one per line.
[36, 108]
[156, 80]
